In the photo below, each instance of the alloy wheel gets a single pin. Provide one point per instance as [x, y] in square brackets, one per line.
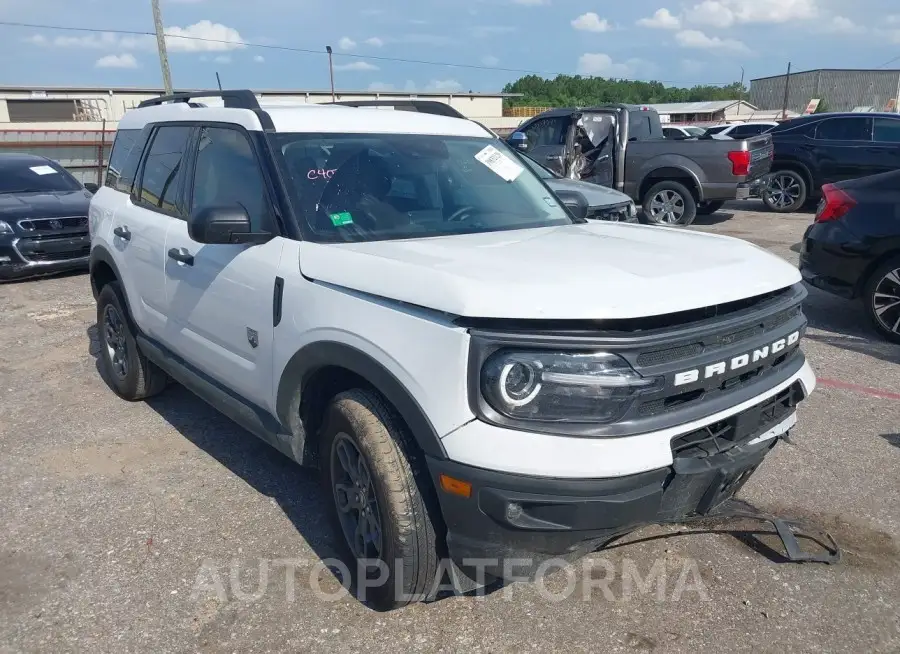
[354, 496]
[667, 207]
[116, 343]
[783, 191]
[886, 301]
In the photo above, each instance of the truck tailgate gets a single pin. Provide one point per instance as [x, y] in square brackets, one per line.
[762, 150]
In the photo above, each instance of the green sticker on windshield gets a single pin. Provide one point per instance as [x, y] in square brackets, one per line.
[342, 218]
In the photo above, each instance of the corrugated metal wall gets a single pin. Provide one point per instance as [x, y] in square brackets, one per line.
[84, 153]
[842, 90]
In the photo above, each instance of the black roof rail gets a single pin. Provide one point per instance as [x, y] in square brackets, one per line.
[236, 99]
[419, 106]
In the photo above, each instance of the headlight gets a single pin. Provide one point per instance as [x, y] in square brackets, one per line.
[562, 387]
[5, 228]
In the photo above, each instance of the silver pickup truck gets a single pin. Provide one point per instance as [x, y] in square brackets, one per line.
[623, 147]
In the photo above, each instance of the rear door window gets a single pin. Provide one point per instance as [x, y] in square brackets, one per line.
[887, 130]
[547, 131]
[162, 181]
[845, 129]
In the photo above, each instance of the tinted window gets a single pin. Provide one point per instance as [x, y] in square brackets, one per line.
[393, 186]
[672, 133]
[163, 174]
[227, 173]
[34, 176]
[743, 131]
[887, 130]
[845, 129]
[124, 159]
[639, 127]
[716, 129]
[547, 131]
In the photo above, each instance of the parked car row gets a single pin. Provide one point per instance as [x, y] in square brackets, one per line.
[734, 130]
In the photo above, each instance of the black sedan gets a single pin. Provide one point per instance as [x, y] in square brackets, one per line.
[853, 247]
[43, 218]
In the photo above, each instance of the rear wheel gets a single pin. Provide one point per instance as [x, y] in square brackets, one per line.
[373, 473]
[669, 203]
[882, 298]
[708, 208]
[785, 192]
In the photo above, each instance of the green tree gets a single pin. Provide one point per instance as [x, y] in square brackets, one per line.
[578, 91]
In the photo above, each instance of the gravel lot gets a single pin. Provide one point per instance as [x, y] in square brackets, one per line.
[115, 514]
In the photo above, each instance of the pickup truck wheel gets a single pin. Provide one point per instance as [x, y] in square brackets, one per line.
[125, 368]
[709, 208]
[785, 192]
[882, 298]
[669, 203]
[370, 470]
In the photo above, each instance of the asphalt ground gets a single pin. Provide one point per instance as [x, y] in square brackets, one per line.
[163, 527]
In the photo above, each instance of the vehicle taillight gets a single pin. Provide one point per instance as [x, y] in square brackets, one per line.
[740, 162]
[836, 203]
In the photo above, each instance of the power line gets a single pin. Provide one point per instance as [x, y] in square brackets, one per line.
[337, 54]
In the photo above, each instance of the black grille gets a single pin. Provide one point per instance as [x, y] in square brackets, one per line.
[725, 434]
[59, 256]
[52, 224]
[659, 357]
[614, 214]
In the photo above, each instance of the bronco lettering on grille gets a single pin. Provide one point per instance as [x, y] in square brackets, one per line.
[735, 363]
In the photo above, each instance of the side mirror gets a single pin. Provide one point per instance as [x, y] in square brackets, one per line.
[519, 140]
[575, 202]
[224, 225]
[91, 187]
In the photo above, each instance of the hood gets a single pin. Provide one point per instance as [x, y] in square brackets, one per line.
[60, 204]
[596, 195]
[574, 272]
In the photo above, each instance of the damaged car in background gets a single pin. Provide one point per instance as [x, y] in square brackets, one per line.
[624, 147]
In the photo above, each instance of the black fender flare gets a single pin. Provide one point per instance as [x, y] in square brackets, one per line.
[316, 356]
[796, 166]
[670, 166]
[100, 254]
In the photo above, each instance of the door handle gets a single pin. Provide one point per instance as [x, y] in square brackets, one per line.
[123, 233]
[553, 157]
[605, 157]
[181, 256]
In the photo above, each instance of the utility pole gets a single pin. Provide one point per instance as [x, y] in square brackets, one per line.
[741, 97]
[218, 81]
[330, 72]
[787, 86]
[161, 46]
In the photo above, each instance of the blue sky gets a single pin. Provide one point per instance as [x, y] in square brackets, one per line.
[684, 43]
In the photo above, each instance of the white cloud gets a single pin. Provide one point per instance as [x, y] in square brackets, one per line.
[661, 20]
[490, 60]
[602, 65]
[381, 86]
[259, 59]
[842, 25]
[531, 3]
[894, 19]
[346, 43]
[126, 60]
[591, 22]
[445, 85]
[216, 38]
[699, 40]
[375, 42]
[222, 59]
[725, 13]
[36, 39]
[358, 66]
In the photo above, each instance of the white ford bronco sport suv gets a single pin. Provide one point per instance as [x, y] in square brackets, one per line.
[390, 297]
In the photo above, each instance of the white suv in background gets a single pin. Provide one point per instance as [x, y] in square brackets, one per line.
[391, 297]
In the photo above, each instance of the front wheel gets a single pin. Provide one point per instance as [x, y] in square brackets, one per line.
[380, 500]
[669, 203]
[785, 192]
[882, 298]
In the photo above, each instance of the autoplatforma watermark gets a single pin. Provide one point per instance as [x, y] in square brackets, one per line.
[555, 580]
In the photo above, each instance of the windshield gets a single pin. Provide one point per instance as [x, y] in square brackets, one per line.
[695, 131]
[538, 169]
[366, 187]
[717, 129]
[35, 176]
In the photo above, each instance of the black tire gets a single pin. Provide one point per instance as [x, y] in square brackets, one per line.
[125, 368]
[681, 197]
[402, 493]
[785, 192]
[883, 284]
[709, 208]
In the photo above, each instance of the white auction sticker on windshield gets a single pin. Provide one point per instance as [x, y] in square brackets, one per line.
[499, 163]
[44, 170]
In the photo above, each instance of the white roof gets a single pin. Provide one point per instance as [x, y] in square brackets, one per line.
[303, 117]
[696, 107]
